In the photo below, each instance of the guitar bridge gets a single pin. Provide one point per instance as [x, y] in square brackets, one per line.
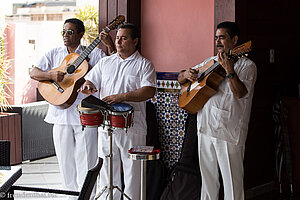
[60, 89]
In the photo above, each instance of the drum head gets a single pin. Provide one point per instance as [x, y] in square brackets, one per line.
[121, 107]
[85, 109]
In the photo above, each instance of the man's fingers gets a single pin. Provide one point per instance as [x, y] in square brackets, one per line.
[193, 71]
[106, 99]
[87, 89]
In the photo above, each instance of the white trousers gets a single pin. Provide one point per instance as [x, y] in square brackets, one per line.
[215, 154]
[121, 143]
[76, 151]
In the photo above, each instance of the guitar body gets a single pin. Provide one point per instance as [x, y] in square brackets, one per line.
[71, 82]
[200, 93]
[193, 95]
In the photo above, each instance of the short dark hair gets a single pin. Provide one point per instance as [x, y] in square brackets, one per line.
[78, 23]
[134, 32]
[232, 28]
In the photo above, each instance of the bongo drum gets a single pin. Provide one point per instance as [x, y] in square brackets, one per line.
[121, 117]
[90, 117]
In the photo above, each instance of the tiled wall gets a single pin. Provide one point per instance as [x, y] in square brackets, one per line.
[171, 119]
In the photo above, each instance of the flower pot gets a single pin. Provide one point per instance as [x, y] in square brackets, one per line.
[10, 130]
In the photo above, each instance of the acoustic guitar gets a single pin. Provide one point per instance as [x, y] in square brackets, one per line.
[64, 93]
[193, 95]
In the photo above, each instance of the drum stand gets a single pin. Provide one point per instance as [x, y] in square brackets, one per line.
[110, 185]
[143, 157]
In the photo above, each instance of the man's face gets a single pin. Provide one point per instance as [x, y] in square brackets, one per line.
[124, 43]
[223, 41]
[70, 35]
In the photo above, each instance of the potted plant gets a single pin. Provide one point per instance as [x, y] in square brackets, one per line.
[10, 123]
[4, 76]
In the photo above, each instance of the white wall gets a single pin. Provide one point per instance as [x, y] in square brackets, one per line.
[46, 36]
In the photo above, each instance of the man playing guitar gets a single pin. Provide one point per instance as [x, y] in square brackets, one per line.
[222, 123]
[76, 149]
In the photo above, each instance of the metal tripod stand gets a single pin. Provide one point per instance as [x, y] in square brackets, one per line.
[110, 185]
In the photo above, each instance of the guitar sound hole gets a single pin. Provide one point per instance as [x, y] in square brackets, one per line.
[71, 69]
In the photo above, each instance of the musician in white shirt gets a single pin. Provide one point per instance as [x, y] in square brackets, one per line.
[222, 123]
[129, 78]
[76, 149]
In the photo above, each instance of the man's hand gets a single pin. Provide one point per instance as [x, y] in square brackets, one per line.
[57, 76]
[226, 62]
[107, 41]
[190, 74]
[116, 98]
[87, 88]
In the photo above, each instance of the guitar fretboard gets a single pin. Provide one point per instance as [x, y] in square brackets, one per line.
[118, 20]
[206, 72]
[86, 52]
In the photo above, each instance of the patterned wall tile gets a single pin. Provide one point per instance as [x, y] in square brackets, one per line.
[171, 119]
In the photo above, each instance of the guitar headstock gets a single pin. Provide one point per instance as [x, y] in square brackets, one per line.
[115, 23]
[240, 50]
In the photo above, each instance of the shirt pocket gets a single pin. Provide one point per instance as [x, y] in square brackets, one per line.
[133, 82]
[218, 118]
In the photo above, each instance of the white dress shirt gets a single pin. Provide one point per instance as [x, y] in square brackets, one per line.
[114, 75]
[224, 116]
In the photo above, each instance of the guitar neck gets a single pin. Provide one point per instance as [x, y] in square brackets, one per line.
[71, 69]
[89, 49]
[206, 72]
[86, 52]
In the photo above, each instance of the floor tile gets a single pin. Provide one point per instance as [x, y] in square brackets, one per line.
[42, 173]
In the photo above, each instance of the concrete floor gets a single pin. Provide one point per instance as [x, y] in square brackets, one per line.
[42, 173]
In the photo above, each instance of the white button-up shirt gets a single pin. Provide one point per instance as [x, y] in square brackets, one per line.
[53, 59]
[114, 75]
[224, 116]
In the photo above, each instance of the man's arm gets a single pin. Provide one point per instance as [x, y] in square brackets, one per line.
[237, 87]
[184, 75]
[40, 75]
[138, 95]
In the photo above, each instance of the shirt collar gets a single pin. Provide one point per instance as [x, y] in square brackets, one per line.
[78, 50]
[132, 57]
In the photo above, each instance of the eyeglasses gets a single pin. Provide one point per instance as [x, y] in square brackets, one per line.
[69, 32]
